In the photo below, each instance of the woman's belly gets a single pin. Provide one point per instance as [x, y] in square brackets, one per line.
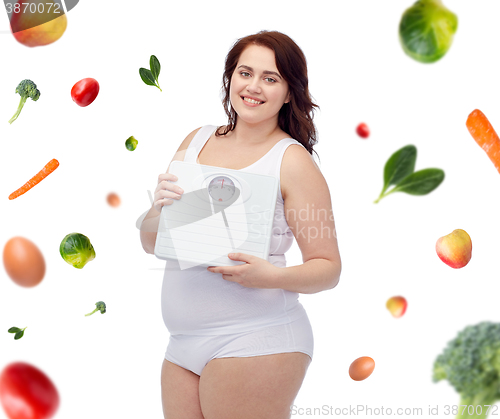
[196, 301]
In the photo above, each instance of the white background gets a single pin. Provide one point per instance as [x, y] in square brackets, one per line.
[358, 73]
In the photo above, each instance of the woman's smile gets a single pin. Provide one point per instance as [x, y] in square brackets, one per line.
[252, 101]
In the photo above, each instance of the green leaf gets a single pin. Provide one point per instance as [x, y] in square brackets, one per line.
[147, 76]
[19, 335]
[154, 64]
[399, 165]
[421, 182]
[14, 330]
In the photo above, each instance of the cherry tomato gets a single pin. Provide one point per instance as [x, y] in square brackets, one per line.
[27, 393]
[85, 91]
[363, 130]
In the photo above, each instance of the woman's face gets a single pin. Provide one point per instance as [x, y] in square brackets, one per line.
[257, 91]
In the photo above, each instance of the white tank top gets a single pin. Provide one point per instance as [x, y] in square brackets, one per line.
[200, 302]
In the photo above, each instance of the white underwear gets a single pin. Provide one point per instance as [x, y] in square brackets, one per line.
[193, 352]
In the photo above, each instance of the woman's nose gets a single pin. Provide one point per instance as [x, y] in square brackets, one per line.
[254, 86]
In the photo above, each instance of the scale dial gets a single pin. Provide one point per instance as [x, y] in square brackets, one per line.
[221, 188]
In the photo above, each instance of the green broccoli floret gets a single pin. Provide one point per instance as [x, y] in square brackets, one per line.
[471, 364]
[99, 306]
[26, 89]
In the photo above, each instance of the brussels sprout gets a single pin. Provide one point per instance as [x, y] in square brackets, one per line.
[77, 250]
[131, 143]
[426, 30]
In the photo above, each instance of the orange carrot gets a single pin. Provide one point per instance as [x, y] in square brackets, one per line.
[484, 135]
[42, 174]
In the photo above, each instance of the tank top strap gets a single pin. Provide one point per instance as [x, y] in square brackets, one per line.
[280, 152]
[270, 163]
[197, 143]
[275, 158]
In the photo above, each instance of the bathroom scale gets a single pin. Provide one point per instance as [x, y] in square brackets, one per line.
[221, 211]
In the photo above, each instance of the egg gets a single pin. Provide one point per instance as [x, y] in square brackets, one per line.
[361, 368]
[113, 199]
[23, 262]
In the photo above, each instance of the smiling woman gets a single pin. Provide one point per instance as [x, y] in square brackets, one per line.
[286, 66]
[258, 86]
[240, 341]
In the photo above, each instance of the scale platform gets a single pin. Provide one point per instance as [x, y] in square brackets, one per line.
[221, 211]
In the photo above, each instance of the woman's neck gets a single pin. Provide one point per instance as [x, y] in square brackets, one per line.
[253, 134]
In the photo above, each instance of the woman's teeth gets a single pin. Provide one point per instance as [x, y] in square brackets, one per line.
[251, 100]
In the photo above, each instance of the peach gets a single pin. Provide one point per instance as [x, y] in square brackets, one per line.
[37, 29]
[455, 249]
[397, 306]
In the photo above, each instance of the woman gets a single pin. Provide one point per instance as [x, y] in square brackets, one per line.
[240, 342]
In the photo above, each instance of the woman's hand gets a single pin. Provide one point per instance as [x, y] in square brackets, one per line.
[255, 273]
[166, 191]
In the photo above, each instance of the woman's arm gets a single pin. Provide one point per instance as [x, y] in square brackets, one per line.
[149, 230]
[312, 276]
[149, 226]
[308, 211]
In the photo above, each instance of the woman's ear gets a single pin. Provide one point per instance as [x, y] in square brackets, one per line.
[287, 97]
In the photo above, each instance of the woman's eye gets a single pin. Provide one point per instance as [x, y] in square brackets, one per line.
[270, 79]
[244, 73]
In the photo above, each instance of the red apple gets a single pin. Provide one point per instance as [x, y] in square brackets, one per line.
[455, 249]
[38, 22]
[397, 306]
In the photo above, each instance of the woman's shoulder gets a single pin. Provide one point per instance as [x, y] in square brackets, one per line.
[190, 137]
[296, 156]
[187, 141]
[181, 151]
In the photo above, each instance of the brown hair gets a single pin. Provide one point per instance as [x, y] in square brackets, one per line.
[295, 117]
